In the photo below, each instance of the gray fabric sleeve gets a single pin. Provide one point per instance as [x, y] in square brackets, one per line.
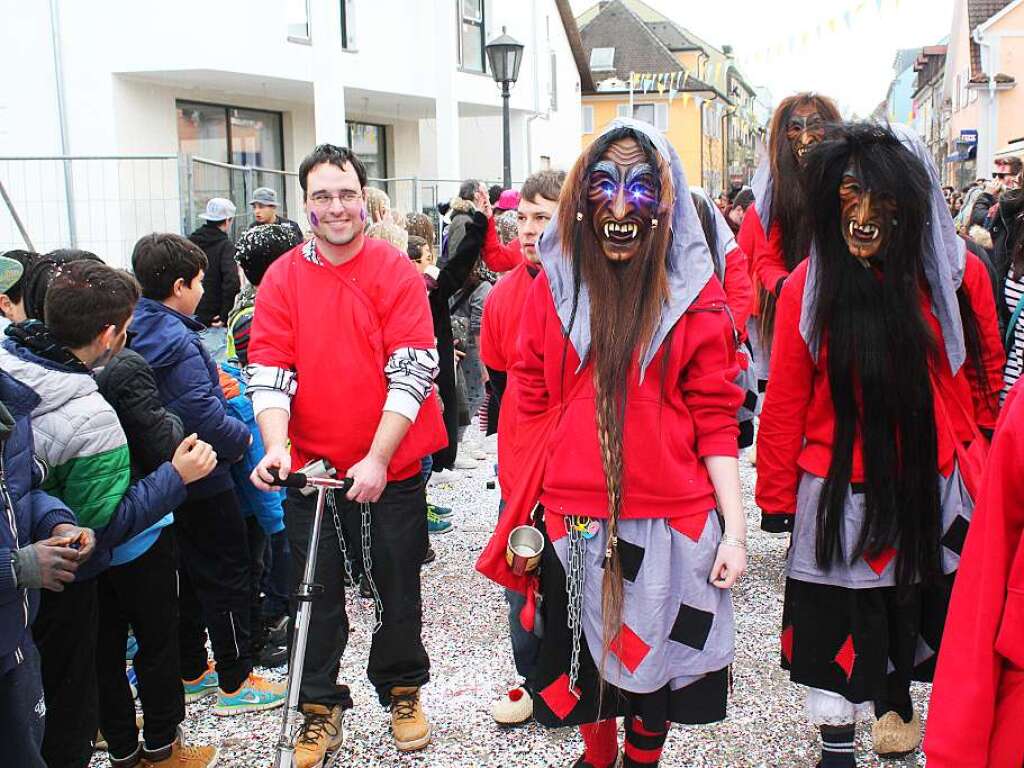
[27, 573]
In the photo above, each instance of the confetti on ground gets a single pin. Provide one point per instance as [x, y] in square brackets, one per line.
[466, 635]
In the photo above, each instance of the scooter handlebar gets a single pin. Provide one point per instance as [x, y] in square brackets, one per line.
[300, 480]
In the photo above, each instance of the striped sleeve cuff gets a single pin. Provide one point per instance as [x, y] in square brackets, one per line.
[410, 373]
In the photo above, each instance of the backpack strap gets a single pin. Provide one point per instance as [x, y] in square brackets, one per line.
[1011, 327]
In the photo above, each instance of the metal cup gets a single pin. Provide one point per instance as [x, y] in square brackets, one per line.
[524, 548]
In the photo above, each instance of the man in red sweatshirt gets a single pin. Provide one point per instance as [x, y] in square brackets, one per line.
[499, 336]
[342, 364]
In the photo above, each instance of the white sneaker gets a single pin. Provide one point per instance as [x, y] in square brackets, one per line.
[444, 476]
[464, 462]
[514, 708]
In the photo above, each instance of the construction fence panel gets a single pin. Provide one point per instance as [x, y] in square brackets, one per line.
[204, 179]
[113, 201]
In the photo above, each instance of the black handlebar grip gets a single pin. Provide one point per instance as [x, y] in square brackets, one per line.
[292, 480]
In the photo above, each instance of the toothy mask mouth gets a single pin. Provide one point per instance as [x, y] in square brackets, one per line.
[620, 233]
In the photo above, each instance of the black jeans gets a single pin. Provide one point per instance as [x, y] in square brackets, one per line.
[214, 588]
[65, 634]
[275, 576]
[141, 594]
[22, 711]
[398, 543]
[257, 542]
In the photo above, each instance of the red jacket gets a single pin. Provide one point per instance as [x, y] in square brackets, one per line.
[684, 410]
[797, 420]
[767, 263]
[336, 327]
[739, 291]
[976, 713]
[499, 349]
[498, 257]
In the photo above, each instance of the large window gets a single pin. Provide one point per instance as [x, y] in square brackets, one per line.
[471, 35]
[249, 138]
[368, 142]
[655, 114]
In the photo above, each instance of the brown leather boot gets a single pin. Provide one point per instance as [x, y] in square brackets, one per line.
[322, 732]
[409, 724]
[180, 755]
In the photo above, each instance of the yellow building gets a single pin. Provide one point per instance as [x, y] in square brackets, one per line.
[644, 64]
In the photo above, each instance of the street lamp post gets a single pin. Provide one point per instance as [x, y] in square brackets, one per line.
[504, 55]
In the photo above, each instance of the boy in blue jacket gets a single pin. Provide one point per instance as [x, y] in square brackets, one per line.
[214, 579]
[36, 534]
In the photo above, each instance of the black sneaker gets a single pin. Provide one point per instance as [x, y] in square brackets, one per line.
[277, 631]
[274, 656]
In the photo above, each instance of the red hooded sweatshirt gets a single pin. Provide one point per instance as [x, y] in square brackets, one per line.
[499, 349]
[683, 411]
[767, 263]
[336, 327]
[976, 715]
[797, 421]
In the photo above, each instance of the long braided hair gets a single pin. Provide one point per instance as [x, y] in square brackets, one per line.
[626, 299]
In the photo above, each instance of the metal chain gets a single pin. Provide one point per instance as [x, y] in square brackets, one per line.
[378, 605]
[365, 539]
[574, 587]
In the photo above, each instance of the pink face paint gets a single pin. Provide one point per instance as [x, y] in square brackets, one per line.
[314, 219]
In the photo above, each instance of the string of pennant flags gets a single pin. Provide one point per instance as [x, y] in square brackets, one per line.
[843, 20]
[673, 84]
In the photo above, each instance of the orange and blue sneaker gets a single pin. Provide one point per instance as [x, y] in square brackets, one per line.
[204, 685]
[255, 694]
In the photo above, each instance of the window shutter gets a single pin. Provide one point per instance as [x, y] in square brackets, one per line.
[349, 9]
[623, 110]
[588, 119]
[661, 117]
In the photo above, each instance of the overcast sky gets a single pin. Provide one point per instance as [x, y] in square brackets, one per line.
[853, 64]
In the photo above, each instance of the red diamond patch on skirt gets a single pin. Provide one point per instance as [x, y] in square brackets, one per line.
[787, 644]
[691, 526]
[559, 698]
[630, 649]
[846, 657]
[881, 560]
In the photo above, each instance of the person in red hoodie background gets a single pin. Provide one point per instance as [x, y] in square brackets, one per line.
[499, 337]
[342, 363]
[977, 704]
[634, 461]
[772, 233]
[879, 379]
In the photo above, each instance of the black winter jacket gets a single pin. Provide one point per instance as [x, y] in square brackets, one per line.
[153, 432]
[221, 283]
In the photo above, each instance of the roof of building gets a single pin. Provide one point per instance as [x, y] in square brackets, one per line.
[978, 12]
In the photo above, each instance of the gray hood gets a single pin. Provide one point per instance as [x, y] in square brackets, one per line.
[689, 260]
[725, 240]
[55, 388]
[944, 254]
[763, 187]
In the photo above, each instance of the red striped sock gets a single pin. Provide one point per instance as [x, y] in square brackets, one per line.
[643, 747]
[600, 743]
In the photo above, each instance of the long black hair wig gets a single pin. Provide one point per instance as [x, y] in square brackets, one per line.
[879, 354]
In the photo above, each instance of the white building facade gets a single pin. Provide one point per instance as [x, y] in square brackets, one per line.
[257, 83]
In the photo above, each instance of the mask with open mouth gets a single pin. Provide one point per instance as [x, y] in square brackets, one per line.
[867, 218]
[804, 129]
[623, 193]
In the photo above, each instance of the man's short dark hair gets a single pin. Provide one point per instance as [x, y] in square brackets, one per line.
[468, 188]
[85, 298]
[334, 155]
[546, 184]
[36, 281]
[25, 258]
[260, 246]
[415, 247]
[494, 192]
[744, 198]
[159, 259]
[1013, 162]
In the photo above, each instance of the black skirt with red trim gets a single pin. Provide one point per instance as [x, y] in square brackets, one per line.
[862, 643]
[555, 706]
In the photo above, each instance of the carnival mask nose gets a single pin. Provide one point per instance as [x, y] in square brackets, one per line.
[867, 218]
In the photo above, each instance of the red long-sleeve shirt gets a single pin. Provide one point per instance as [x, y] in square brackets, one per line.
[764, 252]
[977, 704]
[683, 411]
[499, 349]
[798, 420]
[739, 291]
[500, 258]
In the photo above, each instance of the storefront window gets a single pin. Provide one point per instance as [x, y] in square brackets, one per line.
[368, 142]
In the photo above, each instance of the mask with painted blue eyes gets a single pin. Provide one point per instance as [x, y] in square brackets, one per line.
[624, 197]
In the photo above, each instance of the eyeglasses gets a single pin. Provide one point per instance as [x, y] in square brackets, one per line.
[324, 199]
[1002, 175]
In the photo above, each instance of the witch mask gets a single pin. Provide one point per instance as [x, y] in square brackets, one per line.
[624, 196]
[867, 217]
[804, 128]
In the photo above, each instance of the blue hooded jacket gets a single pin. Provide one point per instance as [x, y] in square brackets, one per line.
[189, 387]
[29, 516]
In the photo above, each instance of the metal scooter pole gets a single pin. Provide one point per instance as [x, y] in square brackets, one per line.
[307, 590]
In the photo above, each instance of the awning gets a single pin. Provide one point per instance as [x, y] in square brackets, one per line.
[958, 157]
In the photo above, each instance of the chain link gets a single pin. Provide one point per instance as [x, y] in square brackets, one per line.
[574, 587]
[366, 541]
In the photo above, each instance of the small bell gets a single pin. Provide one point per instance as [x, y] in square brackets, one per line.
[579, 215]
[654, 223]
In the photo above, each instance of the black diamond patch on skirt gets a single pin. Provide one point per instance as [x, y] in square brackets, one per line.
[631, 556]
[956, 534]
[692, 626]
